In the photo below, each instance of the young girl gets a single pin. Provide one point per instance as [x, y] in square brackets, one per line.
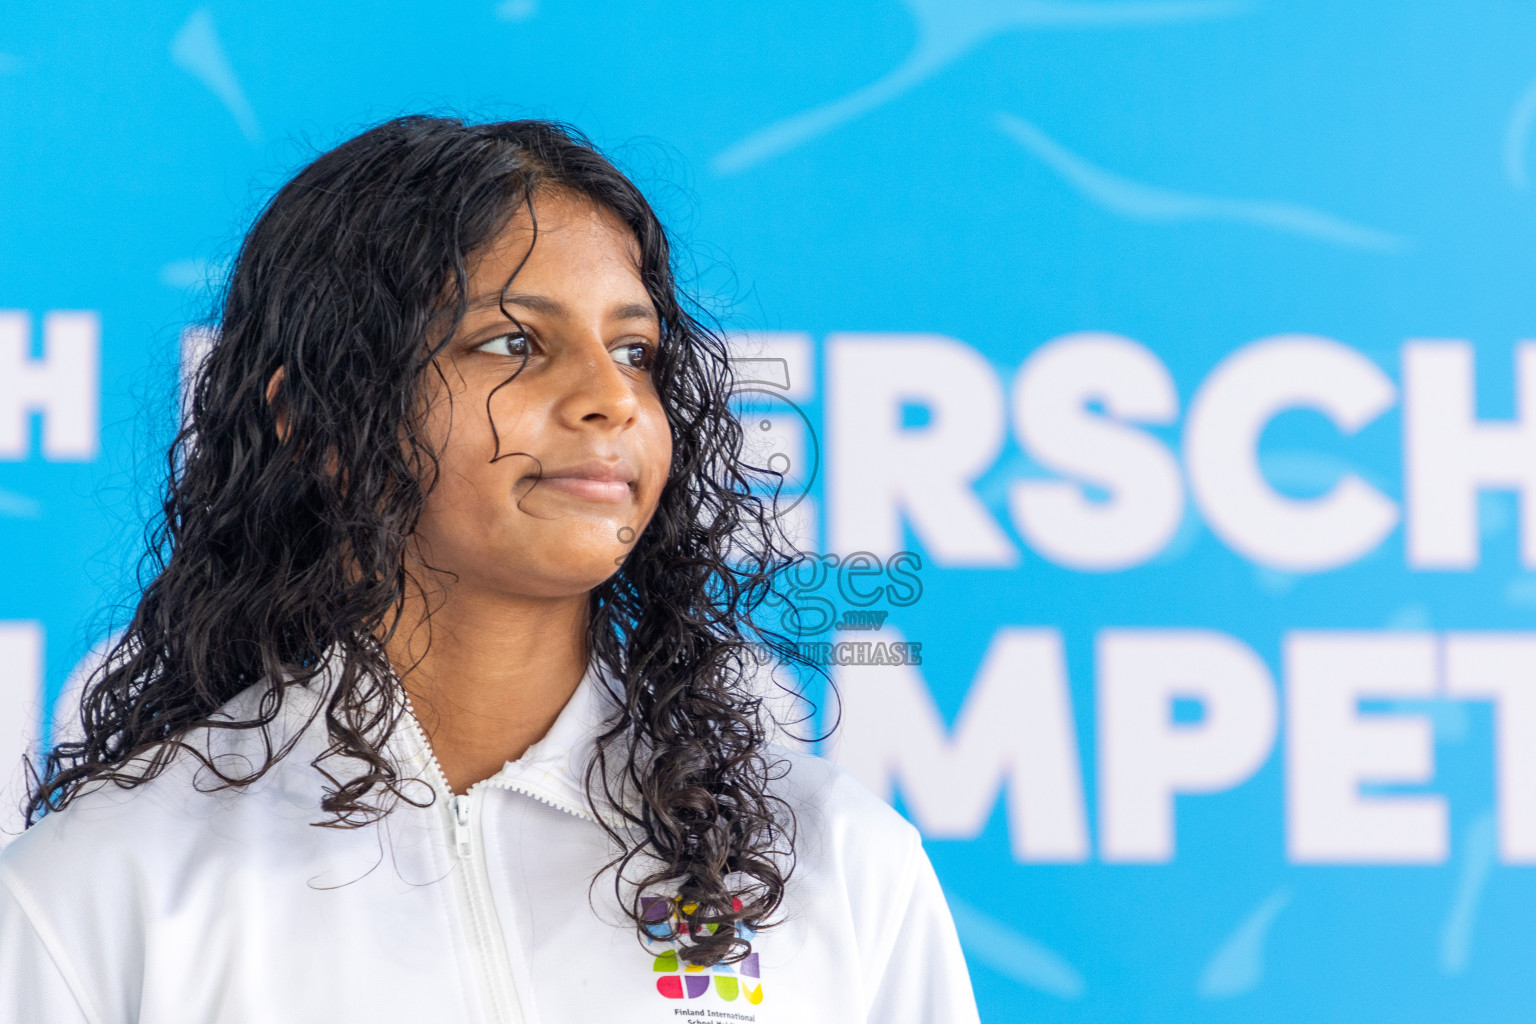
[439, 705]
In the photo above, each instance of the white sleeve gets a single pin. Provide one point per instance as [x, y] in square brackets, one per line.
[925, 980]
[32, 985]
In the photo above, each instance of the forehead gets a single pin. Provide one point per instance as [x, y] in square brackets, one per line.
[564, 237]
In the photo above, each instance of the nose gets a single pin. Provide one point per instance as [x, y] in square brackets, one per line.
[593, 388]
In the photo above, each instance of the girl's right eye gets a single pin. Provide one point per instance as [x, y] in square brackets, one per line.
[514, 345]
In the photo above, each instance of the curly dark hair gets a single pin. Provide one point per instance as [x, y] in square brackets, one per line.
[266, 566]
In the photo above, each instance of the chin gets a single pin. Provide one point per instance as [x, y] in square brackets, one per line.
[565, 580]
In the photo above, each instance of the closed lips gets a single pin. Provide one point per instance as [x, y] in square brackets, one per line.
[594, 481]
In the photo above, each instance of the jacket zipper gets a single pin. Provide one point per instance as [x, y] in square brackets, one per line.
[480, 906]
[461, 833]
[543, 798]
[473, 887]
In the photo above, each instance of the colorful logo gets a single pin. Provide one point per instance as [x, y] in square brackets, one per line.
[681, 980]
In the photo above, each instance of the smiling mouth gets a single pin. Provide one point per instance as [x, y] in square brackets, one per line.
[588, 488]
[607, 481]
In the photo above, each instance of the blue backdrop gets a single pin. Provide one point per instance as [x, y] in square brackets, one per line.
[1180, 342]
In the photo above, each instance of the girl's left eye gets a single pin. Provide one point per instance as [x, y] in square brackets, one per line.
[514, 345]
[637, 355]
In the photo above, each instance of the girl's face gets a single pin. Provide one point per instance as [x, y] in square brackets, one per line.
[546, 478]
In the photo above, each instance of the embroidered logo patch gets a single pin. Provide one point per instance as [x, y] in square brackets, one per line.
[681, 980]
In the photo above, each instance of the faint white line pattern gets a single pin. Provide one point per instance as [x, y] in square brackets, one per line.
[193, 273]
[197, 51]
[19, 506]
[1238, 963]
[517, 10]
[1479, 850]
[1013, 954]
[946, 31]
[1517, 137]
[1137, 201]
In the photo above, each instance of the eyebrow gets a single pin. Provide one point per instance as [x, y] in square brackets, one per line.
[642, 311]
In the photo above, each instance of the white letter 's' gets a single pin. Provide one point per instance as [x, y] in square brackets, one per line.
[1054, 425]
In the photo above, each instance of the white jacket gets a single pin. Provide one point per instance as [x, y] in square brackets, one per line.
[167, 904]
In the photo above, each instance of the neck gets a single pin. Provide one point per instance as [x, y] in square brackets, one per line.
[489, 673]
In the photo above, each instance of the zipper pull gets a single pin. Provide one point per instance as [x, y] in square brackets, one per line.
[461, 833]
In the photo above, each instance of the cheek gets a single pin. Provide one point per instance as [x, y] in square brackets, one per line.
[469, 488]
[658, 452]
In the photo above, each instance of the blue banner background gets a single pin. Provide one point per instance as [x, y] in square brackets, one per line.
[1194, 176]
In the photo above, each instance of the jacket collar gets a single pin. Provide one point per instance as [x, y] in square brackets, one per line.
[554, 768]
